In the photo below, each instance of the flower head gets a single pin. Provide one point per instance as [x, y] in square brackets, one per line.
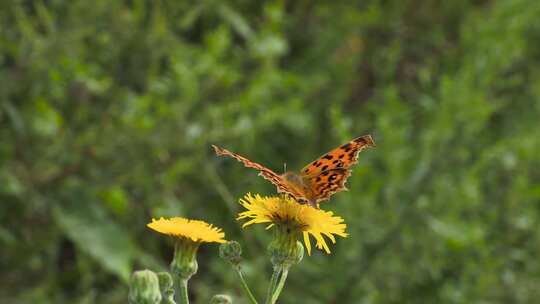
[287, 212]
[189, 234]
[196, 231]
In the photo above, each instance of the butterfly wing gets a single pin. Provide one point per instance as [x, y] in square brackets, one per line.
[281, 184]
[343, 157]
[328, 174]
[327, 183]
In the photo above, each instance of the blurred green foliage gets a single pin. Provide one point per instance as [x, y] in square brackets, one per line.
[108, 110]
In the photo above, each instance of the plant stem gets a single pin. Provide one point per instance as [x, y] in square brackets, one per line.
[272, 284]
[245, 285]
[280, 285]
[184, 292]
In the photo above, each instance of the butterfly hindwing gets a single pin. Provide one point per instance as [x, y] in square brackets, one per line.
[343, 157]
[328, 182]
[274, 178]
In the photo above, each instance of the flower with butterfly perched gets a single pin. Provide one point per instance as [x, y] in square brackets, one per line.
[293, 218]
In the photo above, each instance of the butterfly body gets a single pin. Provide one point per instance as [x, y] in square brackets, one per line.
[318, 180]
[299, 183]
[293, 178]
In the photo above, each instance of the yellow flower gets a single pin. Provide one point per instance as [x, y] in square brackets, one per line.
[196, 231]
[287, 211]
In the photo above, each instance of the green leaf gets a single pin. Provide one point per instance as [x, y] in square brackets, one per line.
[88, 227]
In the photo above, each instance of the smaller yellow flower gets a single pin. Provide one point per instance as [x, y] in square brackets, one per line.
[196, 231]
[285, 211]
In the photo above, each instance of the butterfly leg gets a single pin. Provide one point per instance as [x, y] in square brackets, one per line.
[313, 203]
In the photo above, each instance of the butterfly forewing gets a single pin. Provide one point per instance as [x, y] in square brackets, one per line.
[342, 157]
[281, 184]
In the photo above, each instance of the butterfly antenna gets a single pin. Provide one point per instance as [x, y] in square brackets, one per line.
[284, 167]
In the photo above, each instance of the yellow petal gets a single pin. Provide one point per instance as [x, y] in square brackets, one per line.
[197, 231]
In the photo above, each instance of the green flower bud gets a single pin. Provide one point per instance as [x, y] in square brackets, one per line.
[231, 251]
[166, 287]
[221, 299]
[184, 263]
[165, 280]
[285, 250]
[144, 288]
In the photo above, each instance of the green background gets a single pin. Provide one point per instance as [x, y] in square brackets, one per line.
[108, 110]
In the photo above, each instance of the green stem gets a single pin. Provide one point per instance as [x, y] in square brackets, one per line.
[184, 292]
[280, 285]
[273, 283]
[245, 285]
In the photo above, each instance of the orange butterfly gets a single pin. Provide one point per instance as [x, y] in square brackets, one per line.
[317, 181]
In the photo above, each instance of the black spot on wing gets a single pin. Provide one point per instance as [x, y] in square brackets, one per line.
[362, 140]
[345, 146]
